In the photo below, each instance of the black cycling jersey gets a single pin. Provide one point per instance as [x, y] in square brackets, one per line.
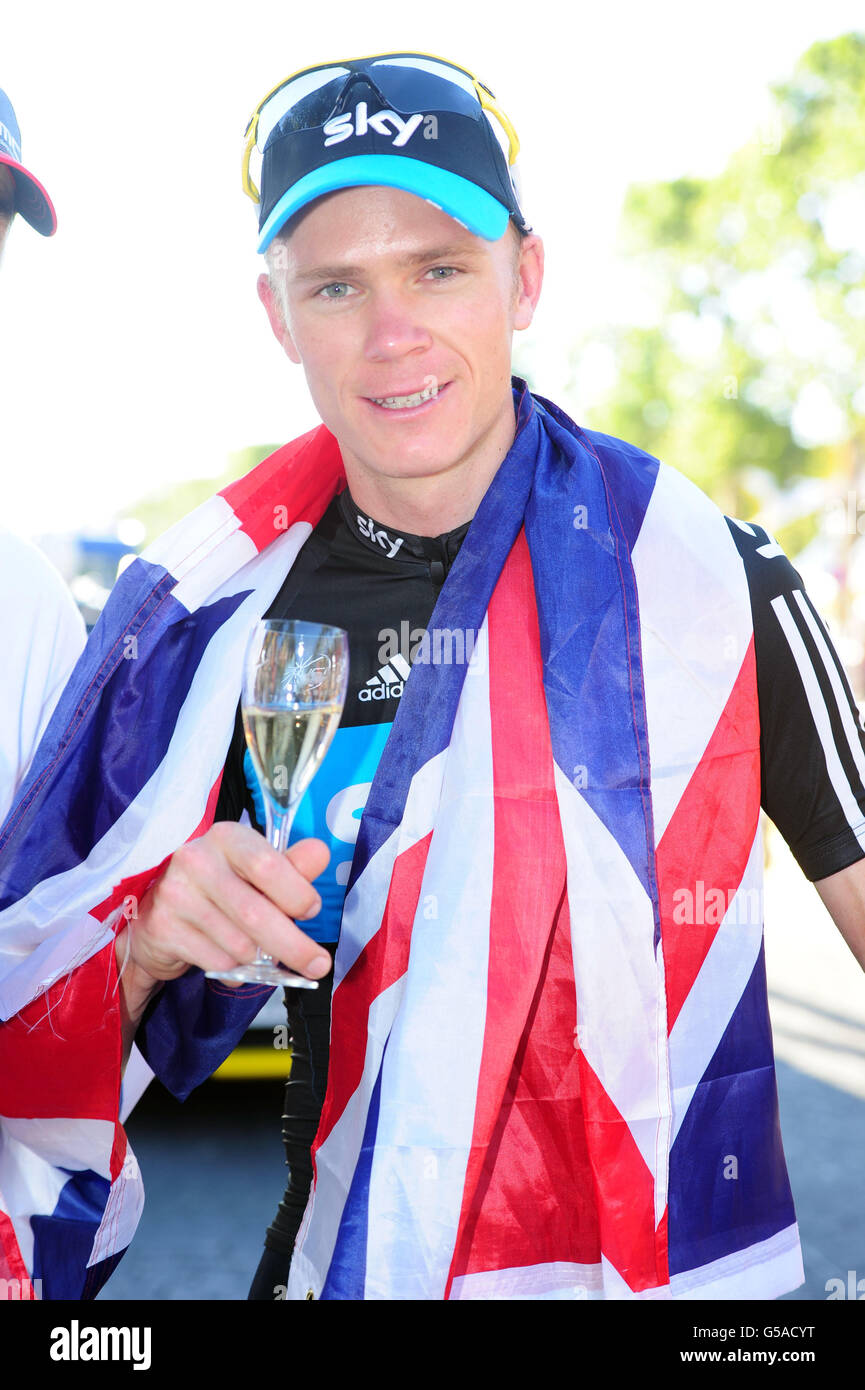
[812, 746]
[381, 585]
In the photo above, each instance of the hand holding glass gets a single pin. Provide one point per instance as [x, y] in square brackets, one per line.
[294, 684]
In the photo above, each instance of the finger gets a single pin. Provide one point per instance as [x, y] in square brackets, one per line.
[184, 944]
[275, 875]
[310, 857]
[239, 919]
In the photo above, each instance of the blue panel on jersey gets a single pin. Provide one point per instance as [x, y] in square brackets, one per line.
[331, 811]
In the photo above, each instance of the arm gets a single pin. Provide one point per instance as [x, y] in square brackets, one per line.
[812, 741]
[136, 990]
[844, 896]
[220, 897]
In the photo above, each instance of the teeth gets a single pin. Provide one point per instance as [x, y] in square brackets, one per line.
[403, 402]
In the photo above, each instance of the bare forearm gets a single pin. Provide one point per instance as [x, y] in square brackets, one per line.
[137, 988]
[844, 896]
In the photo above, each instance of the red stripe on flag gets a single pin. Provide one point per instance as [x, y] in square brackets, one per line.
[528, 1196]
[626, 1192]
[61, 1054]
[704, 850]
[12, 1264]
[296, 483]
[380, 964]
[118, 1151]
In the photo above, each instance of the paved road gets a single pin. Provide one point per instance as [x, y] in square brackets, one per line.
[817, 1003]
[214, 1166]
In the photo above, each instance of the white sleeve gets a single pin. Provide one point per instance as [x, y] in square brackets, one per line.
[42, 634]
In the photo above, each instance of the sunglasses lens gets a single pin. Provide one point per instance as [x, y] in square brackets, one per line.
[313, 110]
[412, 88]
[408, 85]
[315, 87]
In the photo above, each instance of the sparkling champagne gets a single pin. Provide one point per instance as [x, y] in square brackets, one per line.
[295, 677]
[288, 744]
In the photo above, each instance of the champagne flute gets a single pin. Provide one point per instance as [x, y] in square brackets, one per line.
[294, 683]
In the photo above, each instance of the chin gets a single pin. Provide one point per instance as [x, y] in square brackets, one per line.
[411, 466]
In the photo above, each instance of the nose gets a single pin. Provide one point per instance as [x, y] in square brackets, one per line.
[394, 328]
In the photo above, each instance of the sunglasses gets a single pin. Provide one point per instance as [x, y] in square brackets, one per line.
[406, 82]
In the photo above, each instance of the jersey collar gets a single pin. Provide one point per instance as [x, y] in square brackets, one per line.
[396, 545]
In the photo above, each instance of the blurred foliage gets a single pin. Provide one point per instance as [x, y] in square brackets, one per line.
[162, 509]
[749, 376]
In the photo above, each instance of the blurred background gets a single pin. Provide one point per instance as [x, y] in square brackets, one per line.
[698, 175]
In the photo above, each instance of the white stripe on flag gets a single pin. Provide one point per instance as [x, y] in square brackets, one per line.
[558, 1280]
[361, 920]
[432, 1065]
[58, 907]
[122, 1212]
[713, 997]
[336, 1160]
[695, 629]
[68, 1143]
[619, 983]
[761, 1271]
[203, 550]
[28, 1187]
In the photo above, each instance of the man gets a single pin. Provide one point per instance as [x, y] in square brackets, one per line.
[20, 191]
[43, 632]
[567, 671]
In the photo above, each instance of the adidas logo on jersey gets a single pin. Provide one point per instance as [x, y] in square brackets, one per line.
[389, 682]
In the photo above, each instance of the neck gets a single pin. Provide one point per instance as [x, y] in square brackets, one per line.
[432, 503]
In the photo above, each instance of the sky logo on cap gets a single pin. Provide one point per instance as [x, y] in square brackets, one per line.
[344, 126]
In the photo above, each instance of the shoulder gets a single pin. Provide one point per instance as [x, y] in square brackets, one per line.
[32, 588]
[609, 446]
[768, 567]
[604, 447]
[23, 565]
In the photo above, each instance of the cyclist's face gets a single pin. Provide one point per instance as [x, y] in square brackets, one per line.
[381, 295]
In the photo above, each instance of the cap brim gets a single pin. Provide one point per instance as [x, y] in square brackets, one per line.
[476, 209]
[31, 199]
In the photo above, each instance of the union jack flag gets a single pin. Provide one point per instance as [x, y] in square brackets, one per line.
[539, 1072]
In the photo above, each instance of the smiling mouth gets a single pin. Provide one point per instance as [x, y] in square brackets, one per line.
[410, 402]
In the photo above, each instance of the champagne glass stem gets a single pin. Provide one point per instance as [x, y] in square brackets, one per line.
[278, 823]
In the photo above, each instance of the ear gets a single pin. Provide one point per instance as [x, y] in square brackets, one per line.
[273, 308]
[531, 274]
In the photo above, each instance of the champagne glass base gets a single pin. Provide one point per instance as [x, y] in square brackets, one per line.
[262, 974]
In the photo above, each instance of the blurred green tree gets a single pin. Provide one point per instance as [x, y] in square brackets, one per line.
[157, 511]
[750, 377]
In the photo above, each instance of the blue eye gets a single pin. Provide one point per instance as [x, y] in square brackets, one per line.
[337, 285]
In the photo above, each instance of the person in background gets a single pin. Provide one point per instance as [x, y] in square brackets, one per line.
[43, 631]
